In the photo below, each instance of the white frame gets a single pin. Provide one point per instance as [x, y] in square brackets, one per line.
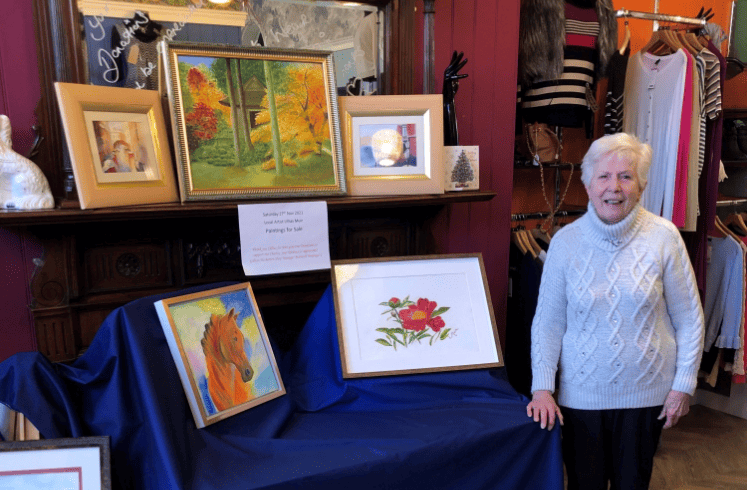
[455, 281]
[87, 457]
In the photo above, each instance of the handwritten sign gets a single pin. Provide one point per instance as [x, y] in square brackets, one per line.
[96, 26]
[284, 237]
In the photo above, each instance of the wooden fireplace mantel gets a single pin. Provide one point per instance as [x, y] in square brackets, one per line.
[96, 260]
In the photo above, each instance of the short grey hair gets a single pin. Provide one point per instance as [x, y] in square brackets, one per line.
[623, 145]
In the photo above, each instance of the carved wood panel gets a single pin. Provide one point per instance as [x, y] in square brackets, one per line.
[55, 334]
[91, 268]
[118, 267]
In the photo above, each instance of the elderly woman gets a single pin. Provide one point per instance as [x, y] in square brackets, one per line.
[619, 316]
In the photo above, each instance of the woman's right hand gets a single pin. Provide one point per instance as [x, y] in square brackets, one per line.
[544, 409]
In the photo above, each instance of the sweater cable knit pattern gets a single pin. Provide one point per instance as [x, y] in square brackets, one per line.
[618, 314]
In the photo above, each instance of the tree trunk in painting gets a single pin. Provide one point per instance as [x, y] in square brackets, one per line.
[242, 109]
[277, 154]
[234, 111]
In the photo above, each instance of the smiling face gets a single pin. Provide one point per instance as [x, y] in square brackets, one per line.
[614, 189]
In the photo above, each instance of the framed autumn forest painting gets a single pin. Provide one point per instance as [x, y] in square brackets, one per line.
[253, 122]
[405, 315]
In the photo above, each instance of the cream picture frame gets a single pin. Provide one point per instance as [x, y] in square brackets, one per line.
[393, 144]
[108, 128]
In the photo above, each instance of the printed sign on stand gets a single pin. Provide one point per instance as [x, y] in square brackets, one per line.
[284, 237]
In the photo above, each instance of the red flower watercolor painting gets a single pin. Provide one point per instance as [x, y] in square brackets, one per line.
[418, 322]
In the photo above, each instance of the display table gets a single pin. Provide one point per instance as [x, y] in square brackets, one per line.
[462, 429]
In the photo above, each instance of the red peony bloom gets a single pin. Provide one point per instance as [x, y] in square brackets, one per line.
[394, 301]
[436, 323]
[417, 316]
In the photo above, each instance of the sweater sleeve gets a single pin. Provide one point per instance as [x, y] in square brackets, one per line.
[683, 305]
[549, 324]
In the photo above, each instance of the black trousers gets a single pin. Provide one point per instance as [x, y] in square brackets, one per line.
[615, 446]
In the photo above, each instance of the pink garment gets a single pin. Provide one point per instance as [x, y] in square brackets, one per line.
[679, 209]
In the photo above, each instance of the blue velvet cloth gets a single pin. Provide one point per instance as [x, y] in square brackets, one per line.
[464, 429]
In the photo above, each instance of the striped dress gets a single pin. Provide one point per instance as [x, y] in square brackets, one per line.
[567, 101]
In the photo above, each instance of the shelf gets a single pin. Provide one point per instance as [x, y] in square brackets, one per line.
[564, 166]
[59, 216]
[735, 113]
[734, 163]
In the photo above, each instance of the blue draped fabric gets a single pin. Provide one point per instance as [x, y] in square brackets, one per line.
[462, 429]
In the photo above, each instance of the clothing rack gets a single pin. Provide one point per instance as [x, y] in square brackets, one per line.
[661, 17]
[731, 202]
[545, 214]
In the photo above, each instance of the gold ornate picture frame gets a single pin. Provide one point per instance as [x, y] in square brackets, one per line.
[393, 144]
[118, 145]
[253, 123]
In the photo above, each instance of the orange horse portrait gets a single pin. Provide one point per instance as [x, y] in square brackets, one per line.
[227, 364]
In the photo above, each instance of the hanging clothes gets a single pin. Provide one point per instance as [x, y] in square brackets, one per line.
[723, 309]
[524, 277]
[697, 242]
[654, 93]
[564, 101]
[679, 204]
[564, 48]
[614, 112]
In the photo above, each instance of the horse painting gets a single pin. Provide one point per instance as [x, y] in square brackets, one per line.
[227, 363]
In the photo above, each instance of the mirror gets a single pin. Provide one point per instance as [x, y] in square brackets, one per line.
[121, 38]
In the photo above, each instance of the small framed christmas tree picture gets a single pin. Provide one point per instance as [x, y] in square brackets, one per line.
[462, 168]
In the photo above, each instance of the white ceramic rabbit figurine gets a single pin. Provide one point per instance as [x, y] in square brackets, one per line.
[22, 183]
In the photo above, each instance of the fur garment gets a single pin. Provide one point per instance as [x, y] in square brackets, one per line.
[542, 38]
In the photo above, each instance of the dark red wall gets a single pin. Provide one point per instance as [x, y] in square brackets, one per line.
[19, 94]
[487, 31]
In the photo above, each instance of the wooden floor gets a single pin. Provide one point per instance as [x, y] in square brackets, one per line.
[707, 449]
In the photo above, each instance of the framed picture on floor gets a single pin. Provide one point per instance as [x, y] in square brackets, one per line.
[253, 122]
[414, 314]
[221, 350]
[56, 464]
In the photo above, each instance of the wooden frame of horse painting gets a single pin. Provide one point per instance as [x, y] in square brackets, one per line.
[221, 350]
[415, 314]
[253, 122]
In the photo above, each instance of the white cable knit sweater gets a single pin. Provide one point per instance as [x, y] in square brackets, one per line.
[619, 313]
